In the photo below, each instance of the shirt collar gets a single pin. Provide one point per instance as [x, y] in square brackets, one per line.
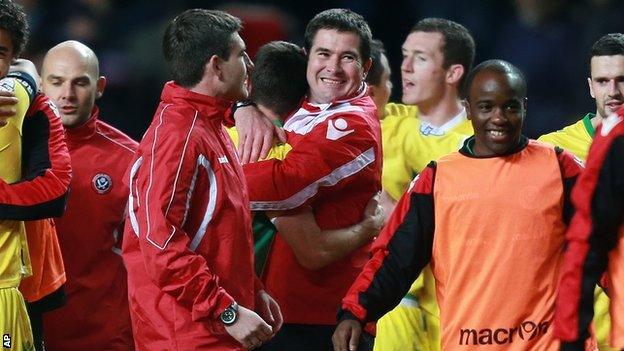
[85, 130]
[209, 106]
[468, 148]
[313, 107]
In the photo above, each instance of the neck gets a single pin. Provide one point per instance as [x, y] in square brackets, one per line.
[441, 112]
[596, 120]
[269, 113]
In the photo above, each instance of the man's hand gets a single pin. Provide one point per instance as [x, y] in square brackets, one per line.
[255, 134]
[7, 106]
[26, 66]
[269, 310]
[374, 216]
[347, 335]
[250, 330]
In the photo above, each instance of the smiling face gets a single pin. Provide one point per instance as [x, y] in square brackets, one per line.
[335, 70]
[606, 83]
[496, 108]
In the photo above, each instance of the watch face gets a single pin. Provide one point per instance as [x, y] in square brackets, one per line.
[228, 316]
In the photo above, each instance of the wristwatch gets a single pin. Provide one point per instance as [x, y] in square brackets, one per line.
[242, 103]
[230, 314]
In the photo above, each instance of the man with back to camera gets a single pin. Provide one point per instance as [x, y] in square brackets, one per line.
[187, 241]
[89, 231]
[480, 305]
[334, 166]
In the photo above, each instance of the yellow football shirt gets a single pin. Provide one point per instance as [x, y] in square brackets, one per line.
[277, 151]
[575, 138]
[409, 145]
[14, 257]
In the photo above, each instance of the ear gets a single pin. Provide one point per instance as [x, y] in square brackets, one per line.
[591, 89]
[454, 74]
[372, 90]
[99, 87]
[366, 66]
[214, 65]
[467, 107]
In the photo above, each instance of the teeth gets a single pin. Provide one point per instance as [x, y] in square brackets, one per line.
[330, 81]
[497, 132]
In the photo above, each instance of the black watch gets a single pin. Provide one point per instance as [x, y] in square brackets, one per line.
[242, 103]
[230, 314]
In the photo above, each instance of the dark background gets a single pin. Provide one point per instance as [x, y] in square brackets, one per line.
[548, 40]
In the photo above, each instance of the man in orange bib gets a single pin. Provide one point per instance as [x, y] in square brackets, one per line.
[490, 219]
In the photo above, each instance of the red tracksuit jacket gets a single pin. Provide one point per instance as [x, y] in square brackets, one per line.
[187, 242]
[89, 234]
[595, 240]
[335, 165]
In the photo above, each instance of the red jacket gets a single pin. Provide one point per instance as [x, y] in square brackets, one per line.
[89, 234]
[188, 241]
[335, 165]
[595, 240]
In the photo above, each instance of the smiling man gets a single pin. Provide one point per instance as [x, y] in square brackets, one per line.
[335, 167]
[495, 288]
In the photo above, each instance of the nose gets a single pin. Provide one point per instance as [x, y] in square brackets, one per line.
[67, 91]
[614, 88]
[498, 115]
[333, 65]
[248, 62]
[406, 64]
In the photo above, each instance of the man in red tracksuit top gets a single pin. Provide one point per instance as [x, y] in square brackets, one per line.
[90, 231]
[187, 242]
[595, 238]
[334, 166]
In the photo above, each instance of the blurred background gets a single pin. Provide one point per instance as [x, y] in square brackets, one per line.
[548, 40]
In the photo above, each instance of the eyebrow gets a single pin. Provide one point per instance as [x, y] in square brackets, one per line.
[350, 52]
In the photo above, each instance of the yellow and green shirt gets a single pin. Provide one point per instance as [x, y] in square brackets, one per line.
[575, 138]
[409, 144]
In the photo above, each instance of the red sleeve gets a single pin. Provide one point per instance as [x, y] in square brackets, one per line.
[320, 159]
[163, 184]
[593, 232]
[44, 188]
[401, 251]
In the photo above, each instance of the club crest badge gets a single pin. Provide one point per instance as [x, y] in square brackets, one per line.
[102, 183]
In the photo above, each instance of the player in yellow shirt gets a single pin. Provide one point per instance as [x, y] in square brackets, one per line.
[14, 258]
[606, 86]
[437, 54]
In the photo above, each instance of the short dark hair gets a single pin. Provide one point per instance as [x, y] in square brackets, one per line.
[499, 66]
[192, 38]
[608, 45]
[13, 21]
[376, 70]
[458, 46]
[278, 80]
[342, 20]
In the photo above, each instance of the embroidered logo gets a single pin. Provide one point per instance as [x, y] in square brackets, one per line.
[427, 129]
[102, 183]
[337, 128]
[223, 159]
